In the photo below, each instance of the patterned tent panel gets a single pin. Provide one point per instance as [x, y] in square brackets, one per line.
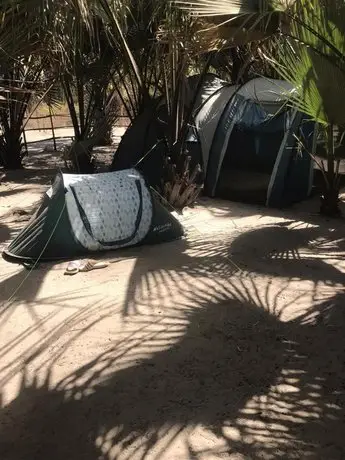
[105, 213]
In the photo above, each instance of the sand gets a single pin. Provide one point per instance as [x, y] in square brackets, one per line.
[228, 344]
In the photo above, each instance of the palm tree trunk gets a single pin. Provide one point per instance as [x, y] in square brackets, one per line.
[330, 197]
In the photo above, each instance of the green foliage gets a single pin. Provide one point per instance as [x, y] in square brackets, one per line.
[105, 52]
[309, 53]
[312, 57]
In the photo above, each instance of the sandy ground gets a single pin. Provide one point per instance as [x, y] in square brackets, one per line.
[43, 134]
[228, 344]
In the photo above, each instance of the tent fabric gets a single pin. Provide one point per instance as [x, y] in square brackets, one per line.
[291, 177]
[207, 118]
[241, 128]
[143, 145]
[211, 84]
[97, 201]
[233, 110]
[81, 214]
[266, 90]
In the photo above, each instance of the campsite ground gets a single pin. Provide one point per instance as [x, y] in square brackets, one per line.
[228, 344]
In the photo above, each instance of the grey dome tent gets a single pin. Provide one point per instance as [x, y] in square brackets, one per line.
[81, 214]
[244, 138]
[249, 144]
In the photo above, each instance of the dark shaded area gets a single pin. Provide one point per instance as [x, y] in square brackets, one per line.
[292, 251]
[248, 187]
[12, 286]
[5, 193]
[43, 163]
[5, 233]
[250, 158]
[35, 175]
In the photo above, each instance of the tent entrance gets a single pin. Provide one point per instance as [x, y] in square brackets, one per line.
[250, 156]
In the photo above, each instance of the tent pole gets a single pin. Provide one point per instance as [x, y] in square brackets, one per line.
[280, 156]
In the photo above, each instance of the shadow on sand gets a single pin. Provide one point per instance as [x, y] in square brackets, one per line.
[221, 362]
[264, 388]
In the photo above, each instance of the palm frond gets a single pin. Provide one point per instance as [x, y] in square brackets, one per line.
[312, 58]
[206, 8]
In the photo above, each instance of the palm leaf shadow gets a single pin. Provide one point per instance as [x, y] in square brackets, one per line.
[277, 384]
[292, 251]
[211, 352]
